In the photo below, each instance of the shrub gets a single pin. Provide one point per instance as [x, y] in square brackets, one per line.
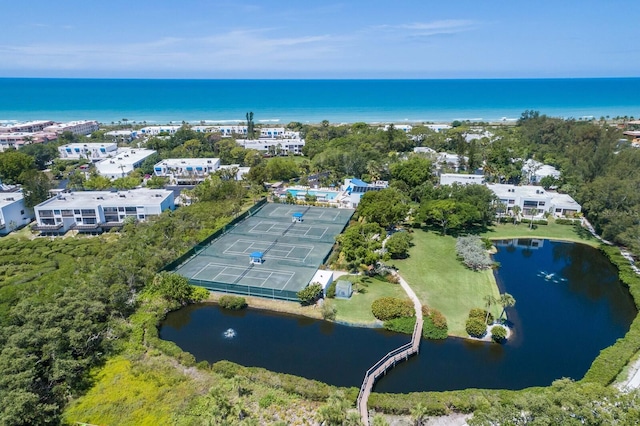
[498, 334]
[535, 221]
[481, 314]
[435, 324]
[310, 294]
[401, 325]
[476, 327]
[387, 308]
[232, 302]
[471, 250]
[329, 311]
[331, 290]
[563, 221]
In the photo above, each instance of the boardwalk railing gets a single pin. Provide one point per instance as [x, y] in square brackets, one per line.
[386, 362]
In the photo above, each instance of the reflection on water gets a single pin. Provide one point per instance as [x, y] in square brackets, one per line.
[562, 319]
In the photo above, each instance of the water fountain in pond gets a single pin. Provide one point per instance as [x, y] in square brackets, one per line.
[229, 334]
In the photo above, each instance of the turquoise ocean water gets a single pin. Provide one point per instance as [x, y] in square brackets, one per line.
[283, 101]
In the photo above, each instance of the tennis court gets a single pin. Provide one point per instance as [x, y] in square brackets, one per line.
[291, 249]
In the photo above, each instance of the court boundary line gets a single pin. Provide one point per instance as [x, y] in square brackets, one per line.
[293, 247]
[225, 267]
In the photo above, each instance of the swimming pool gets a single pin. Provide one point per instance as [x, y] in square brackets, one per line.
[320, 195]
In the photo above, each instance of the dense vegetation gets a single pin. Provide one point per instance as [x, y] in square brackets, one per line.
[70, 305]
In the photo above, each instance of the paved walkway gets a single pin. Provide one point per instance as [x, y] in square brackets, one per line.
[390, 359]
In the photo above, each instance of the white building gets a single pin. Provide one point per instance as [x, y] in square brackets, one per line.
[460, 179]
[97, 211]
[186, 171]
[324, 278]
[273, 146]
[534, 171]
[123, 163]
[16, 140]
[89, 151]
[424, 150]
[156, 130]
[240, 171]
[26, 127]
[228, 131]
[122, 135]
[404, 127]
[451, 161]
[534, 200]
[76, 127]
[354, 189]
[13, 213]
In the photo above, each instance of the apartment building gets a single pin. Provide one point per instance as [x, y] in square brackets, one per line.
[534, 200]
[17, 140]
[13, 213]
[123, 162]
[273, 146]
[27, 127]
[89, 151]
[186, 171]
[84, 127]
[98, 211]
[460, 179]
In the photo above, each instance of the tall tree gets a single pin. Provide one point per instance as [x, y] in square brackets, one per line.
[13, 164]
[250, 130]
[36, 186]
[385, 207]
[506, 301]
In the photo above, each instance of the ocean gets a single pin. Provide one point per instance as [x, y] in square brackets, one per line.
[312, 101]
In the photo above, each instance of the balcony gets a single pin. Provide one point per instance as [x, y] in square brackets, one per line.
[41, 228]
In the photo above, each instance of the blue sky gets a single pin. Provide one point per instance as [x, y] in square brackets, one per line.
[319, 39]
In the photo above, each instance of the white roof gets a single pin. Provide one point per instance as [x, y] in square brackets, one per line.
[123, 161]
[323, 277]
[564, 201]
[508, 191]
[91, 145]
[89, 199]
[183, 162]
[7, 198]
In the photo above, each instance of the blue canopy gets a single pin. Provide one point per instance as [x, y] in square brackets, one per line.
[256, 254]
[297, 215]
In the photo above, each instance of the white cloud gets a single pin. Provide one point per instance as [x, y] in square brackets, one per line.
[425, 29]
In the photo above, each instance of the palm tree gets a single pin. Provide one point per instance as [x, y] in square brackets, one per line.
[506, 301]
[489, 301]
[516, 212]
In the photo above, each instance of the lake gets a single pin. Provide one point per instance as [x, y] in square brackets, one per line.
[569, 306]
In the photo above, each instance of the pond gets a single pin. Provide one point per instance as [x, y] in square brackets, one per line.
[569, 306]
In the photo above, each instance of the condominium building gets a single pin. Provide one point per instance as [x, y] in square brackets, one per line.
[13, 213]
[273, 146]
[354, 189]
[124, 162]
[97, 211]
[460, 179]
[534, 200]
[17, 140]
[89, 151]
[76, 127]
[156, 130]
[27, 127]
[186, 171]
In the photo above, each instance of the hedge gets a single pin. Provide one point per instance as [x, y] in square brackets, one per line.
[331, 290]
[475, 327]
[481, 314]
[606, 367]
[498, 334]
[563, 221]
[435, 324]
[535, 221]
[232, 302]
[386, 308]
[401, 325]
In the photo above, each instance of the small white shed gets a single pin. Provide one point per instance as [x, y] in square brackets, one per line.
[324, 278]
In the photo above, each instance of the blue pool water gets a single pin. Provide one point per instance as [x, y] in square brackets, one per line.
[320, 194]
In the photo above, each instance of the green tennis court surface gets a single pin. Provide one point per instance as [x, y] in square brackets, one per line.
[292, 252]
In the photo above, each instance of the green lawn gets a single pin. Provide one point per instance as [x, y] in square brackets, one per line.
[441, 281]
[357, 310]
[551, 231]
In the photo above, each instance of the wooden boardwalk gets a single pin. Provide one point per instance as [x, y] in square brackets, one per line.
[389, 360]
